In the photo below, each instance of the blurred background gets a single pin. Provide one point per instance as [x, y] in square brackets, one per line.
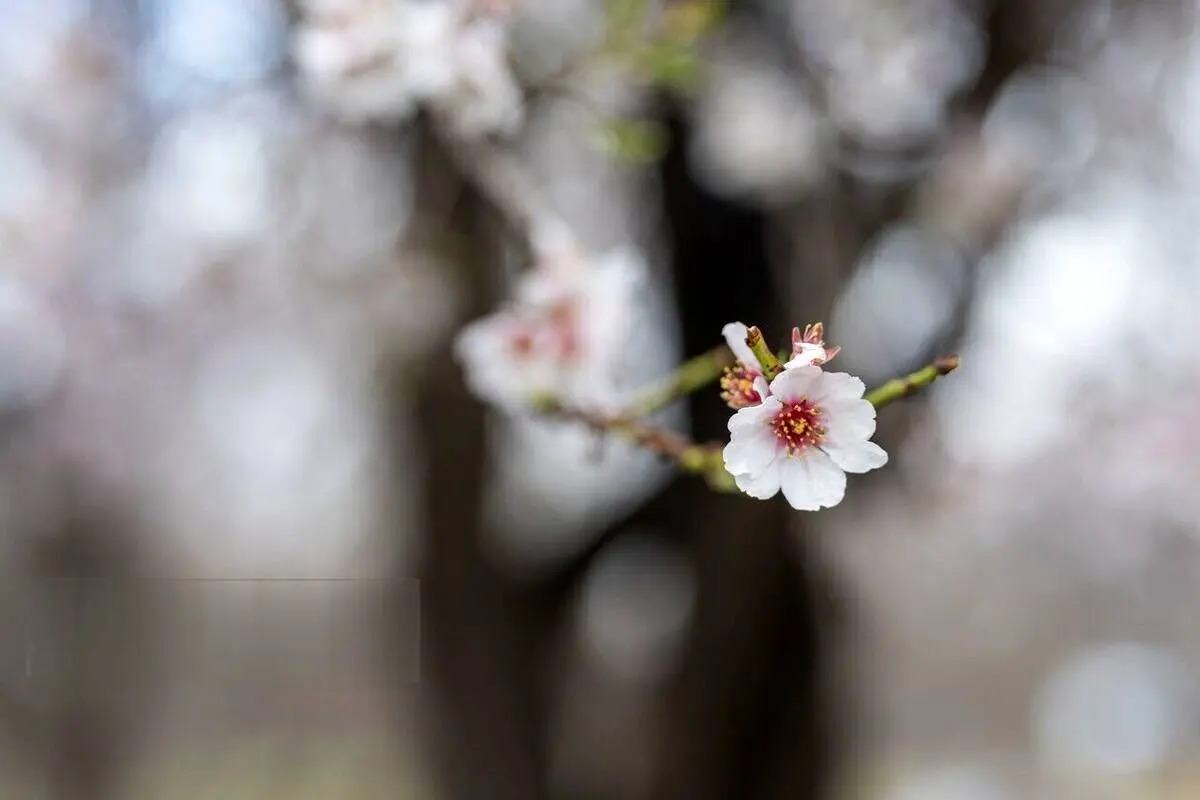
[241, 558]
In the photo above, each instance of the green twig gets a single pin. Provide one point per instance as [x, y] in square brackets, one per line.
[900, 388]
[689, 377]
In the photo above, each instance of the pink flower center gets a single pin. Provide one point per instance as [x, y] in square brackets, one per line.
[798, 426]
[737, 387]
[521, 343]
[554, 334]
[564, 325]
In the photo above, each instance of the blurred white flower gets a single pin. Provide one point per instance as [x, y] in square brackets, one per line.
[556, 486]
[375, 59]
[563, 334]
[743, 383]
[380, 59]
[813, 429]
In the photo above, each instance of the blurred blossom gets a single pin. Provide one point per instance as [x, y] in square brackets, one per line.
[32, 347]
[635, 607]
[380, 59]
[757, 133]
[567, 333]
[1117, 709]
[564, 334]
[375, 58]
[901, 297]
[558, 483]
[485, 98]
[890, 68]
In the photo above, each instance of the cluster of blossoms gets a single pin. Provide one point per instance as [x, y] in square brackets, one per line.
[802, 431]
[384, 59]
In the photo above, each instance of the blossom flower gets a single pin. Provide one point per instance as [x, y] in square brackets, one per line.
[804, 437]
[743, 383]
[564, 334]
[374, 59]
[382, 59]
[808, 348]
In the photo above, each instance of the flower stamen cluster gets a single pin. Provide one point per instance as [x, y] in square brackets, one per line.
[798, 427]
[737, 387]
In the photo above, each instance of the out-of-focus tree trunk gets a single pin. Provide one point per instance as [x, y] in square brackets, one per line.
[481, 631]
[94, 647]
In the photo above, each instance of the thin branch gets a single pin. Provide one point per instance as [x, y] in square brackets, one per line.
[696, 459]
[689, 377]
[900, 388]
[496, 173]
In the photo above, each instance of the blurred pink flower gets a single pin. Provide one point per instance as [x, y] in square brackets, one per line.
[381, 59]
[564, 333]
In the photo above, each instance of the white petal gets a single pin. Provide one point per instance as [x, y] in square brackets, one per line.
[750, 450]
[808, 354]
[762, 485]
[835, 386]
[858, 457]
[754, 416]
[812, 482]
[735, 337]
[792, 384]
[849, 422]
[762, 387]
